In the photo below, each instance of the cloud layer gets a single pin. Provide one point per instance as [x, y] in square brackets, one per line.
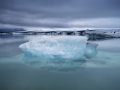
[60, 13]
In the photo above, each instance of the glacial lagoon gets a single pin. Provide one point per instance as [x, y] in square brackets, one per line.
[59, 63]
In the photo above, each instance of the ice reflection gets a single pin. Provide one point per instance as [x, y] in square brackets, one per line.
[59, 53]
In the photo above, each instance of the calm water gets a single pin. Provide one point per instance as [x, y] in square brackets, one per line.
[98, 71]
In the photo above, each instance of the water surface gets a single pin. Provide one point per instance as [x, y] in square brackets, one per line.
[101, 72]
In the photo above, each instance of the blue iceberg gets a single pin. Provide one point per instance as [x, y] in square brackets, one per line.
[58, 53]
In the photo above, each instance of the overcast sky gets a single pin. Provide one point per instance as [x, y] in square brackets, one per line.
[60, 14]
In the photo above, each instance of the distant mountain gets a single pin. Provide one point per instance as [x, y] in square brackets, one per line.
[7, 30]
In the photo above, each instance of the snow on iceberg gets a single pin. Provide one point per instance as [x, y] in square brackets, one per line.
[62, 53]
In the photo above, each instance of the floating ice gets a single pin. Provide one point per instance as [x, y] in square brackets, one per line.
[62, 47]
[58, 53]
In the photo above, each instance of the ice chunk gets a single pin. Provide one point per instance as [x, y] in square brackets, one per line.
[62, 47]
[64, 53]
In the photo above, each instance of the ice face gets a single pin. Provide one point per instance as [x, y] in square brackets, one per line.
[58, 53]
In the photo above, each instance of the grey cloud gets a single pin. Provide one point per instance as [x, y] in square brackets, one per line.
[65, 8]
[15, 12]
[23, 19]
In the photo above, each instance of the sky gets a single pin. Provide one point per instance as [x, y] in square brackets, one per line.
[59, 14]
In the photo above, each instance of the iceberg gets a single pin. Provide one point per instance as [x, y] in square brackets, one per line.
[62, 47]
[102, 34]
[59, 53]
